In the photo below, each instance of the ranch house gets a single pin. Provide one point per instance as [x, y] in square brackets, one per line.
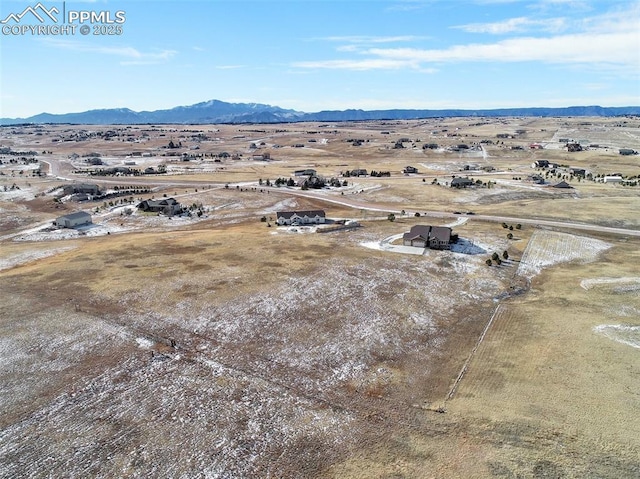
[461, 182]
[167, 206]
[300, 217]
[433, 237]
[86, 188]
[307, 172]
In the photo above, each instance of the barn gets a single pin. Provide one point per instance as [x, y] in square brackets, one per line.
[72, 220]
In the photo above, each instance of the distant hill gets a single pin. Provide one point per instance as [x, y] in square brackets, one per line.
[215, 111]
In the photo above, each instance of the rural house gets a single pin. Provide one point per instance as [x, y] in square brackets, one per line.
[571, 147]
[540, 164]
[300, 217]
[167, 206]
[433, 237]
[461, 182]
[409, 169]
[72, 220]
[84, 188]
[307, 172]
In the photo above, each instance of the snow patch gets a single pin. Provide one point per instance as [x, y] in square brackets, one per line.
[621, 333]
[587, 284]
[144, 343]
[29, 256]
[548, 248]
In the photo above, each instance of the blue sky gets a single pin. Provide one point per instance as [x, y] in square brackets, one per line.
[316, 55]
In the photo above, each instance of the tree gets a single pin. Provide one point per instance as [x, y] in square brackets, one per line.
[489, 263]
[505, 255]
[518, 226]
[391, 217]
[417, 215]
[510, 236]
[495, 257]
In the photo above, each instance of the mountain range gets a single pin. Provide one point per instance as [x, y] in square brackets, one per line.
[216, 111]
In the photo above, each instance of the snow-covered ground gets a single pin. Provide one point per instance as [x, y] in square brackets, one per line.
[621, 333]
[29, 256]
[295, 229]
[386, 245]
[548, 248]
[591, 282]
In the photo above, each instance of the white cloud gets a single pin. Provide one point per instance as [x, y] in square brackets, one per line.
[607, 42]
[365, 64]
[368, 39]
[602, 48]
[519, 24]
[130, 55]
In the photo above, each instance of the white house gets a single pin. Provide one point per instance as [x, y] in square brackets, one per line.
[300, 217]
[73, 219]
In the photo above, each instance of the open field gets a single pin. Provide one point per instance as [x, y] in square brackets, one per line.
[215, 344]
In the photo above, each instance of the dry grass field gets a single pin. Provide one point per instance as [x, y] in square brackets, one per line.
[219, 345]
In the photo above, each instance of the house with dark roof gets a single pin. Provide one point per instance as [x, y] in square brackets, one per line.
[577, 171]
[461, 182]
[426, 236]
[627, 151]
[562, 184]
[167, 206]
[540, 164]
[306, 172]
[571, 147]
[86, 188]
[409, 169]
[300, 217]
[72, 220]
